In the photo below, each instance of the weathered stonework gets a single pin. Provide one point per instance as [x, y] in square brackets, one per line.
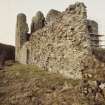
[64, 45]
[38, 22]
[52, 16]
[21, 34]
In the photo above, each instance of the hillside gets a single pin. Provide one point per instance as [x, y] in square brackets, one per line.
[7, 52]
[27, 85]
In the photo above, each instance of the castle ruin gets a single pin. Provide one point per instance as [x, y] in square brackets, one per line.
[62, 42]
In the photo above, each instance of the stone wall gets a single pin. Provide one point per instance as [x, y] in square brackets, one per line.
[21, 34]
[62, 45]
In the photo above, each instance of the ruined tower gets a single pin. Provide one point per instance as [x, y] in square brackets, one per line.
[21, 33]
[38, 21]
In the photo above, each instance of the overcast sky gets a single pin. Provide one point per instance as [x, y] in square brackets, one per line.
[10, 8]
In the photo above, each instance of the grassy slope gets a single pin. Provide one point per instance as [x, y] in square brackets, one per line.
[27, 85]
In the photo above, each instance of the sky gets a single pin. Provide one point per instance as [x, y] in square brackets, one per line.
[10, 8]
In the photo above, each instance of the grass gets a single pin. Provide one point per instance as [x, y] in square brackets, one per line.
[31, 71]
[28, 85]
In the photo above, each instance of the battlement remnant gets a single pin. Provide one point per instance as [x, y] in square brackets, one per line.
[38, 21]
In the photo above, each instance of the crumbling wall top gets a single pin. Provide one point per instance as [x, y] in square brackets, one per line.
[78, 8]
[52, 16]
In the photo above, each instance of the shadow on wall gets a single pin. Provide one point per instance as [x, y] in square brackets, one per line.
[7, 52]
